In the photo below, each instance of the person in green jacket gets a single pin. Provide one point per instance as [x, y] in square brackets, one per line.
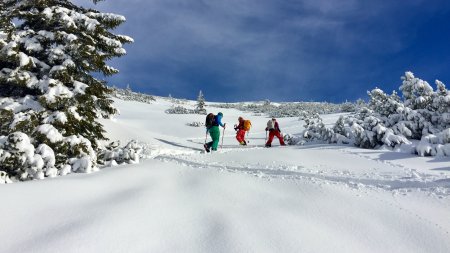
[212, 126]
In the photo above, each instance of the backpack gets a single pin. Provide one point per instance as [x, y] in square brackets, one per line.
[270, 125]
[210, 120]
[247, 125]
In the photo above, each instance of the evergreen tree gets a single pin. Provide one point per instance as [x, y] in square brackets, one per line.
[49, 50]
[128, 90]
[201, 103]
[441, 100]
[360, 103]
[384, 104]
[416, 92]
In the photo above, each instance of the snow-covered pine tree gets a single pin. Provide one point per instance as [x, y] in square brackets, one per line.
[128, 90]
[49, 50]
[441, 99]
[389, 121]
[360, 103]
[200, 103]
[418, 98]
[347, 107]
[383, 104]
[339, 127]
[416, 92]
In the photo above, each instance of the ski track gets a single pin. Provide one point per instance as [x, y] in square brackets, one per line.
[402, 183]
[397, 186]
[435, 186]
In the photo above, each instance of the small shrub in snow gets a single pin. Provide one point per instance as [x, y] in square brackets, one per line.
[180, 110]
[113, 154]
[280, 110]
[369, 131]
[341, 132]
[128, 94]
[434, 145]
[315, 130]
[348, 107]
[290, 139]
[196, 124]
[177, 101]
[360, 103]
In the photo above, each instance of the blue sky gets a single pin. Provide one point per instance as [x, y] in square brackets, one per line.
[282, 50]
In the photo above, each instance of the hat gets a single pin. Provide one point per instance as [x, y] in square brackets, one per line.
[220, 114]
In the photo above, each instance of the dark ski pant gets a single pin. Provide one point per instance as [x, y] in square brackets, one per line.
[214, 132]
[273, 133]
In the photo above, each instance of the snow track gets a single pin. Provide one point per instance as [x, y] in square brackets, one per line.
[402, 183]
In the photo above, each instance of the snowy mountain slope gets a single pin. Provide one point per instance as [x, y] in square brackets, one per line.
[312, 198]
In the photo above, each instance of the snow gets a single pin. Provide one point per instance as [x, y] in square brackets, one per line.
[83, 164]
[107, 16]
[56, 117]
[120, 51]
[33, 45]
[75, 114]
[46, 34]
[48, 13]
[57, 91]
[79, 87]
[47, 155]
[304, 198]
[52, 134]
[126, 38]
[23, 104]
[110, 42]
[24, 59]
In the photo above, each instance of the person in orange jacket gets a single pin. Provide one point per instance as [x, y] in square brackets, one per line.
[274, 130]
[240, 135]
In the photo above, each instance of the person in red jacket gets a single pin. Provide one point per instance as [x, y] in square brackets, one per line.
[274, 130]
[240, 135]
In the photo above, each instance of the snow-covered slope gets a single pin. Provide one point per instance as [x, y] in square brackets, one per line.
[312, 198]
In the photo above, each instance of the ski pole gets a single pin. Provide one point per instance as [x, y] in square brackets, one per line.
[223, 134]
[206, 136]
